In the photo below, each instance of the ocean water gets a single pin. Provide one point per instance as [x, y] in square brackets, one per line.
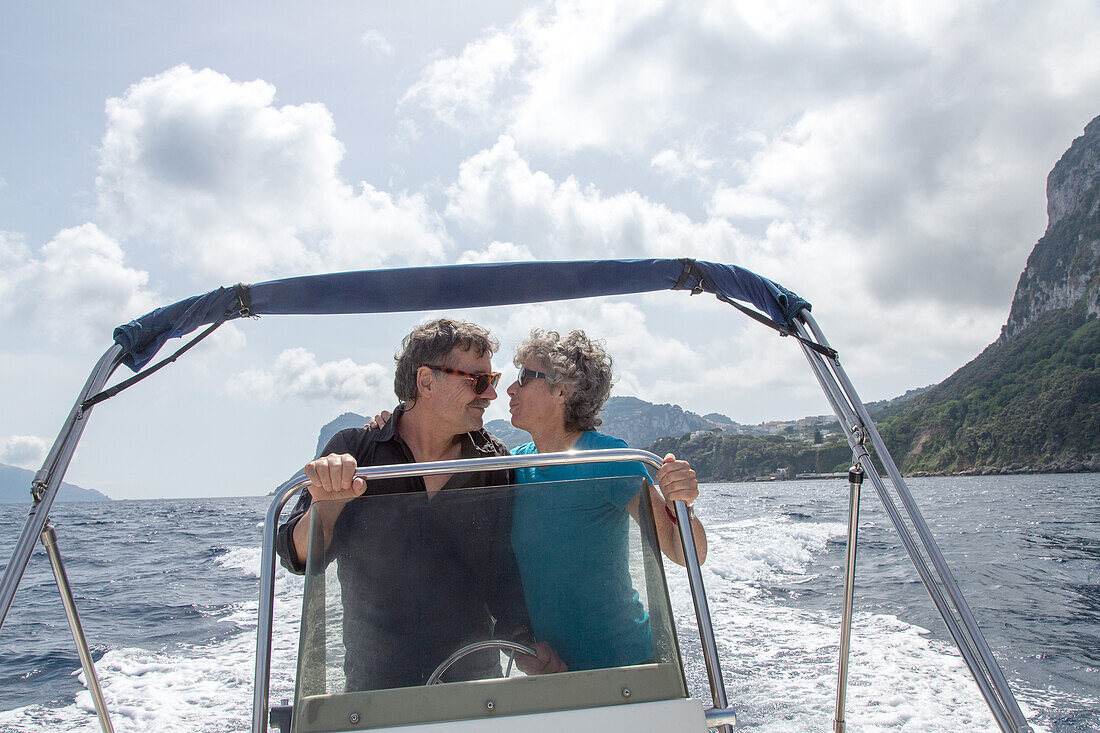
[167, 594]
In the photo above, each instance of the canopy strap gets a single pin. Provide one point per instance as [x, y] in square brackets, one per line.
[690, 270]
[782, 329]
[241, 307]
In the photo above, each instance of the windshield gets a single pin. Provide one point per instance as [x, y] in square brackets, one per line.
[400, 586]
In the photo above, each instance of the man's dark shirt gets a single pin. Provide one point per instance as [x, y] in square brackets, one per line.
[420, 577]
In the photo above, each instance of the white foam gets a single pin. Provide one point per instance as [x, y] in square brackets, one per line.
[203, 688]
[779, 662]
[246, 559]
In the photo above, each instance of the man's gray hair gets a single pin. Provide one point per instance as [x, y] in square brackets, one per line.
[429, 344]
[579, 364]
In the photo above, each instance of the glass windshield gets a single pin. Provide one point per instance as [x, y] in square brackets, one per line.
[399, 584]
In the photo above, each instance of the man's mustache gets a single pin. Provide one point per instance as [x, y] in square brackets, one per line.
[480, 403]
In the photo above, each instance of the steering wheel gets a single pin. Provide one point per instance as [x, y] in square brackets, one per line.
[477, 646]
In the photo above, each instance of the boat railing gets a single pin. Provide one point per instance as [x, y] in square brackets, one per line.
[718, 715]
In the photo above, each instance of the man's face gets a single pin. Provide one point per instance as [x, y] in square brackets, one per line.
[459, 407]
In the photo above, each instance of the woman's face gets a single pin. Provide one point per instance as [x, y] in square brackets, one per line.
[536, 406]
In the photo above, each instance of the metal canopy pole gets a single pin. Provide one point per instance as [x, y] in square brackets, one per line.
[49, 540]
[855, 479]
[47, 481]
[964, 629]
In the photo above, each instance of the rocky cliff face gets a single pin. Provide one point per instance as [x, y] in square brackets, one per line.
[640, 423]
[1064, 267]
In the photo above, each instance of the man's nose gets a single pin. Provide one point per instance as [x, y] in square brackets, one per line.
[489, 394]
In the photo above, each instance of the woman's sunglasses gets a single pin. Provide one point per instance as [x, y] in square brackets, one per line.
[526, 374]
[481, 381]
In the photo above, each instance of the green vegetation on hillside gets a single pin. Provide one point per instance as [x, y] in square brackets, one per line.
[717, 457]
[1033, 401]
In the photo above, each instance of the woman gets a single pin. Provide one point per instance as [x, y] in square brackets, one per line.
[571, 544]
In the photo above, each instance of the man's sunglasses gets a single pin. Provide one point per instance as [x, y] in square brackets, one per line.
[526, 374]
[481, 381]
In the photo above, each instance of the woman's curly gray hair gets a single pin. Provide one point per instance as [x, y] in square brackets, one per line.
[579, 364]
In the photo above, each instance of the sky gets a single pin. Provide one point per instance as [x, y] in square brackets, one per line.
[886, 161]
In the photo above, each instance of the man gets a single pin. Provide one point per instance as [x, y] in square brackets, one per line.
[427, 572]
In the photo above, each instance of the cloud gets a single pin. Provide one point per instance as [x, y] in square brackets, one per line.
[914, 137]
[676, 164]
[496, 252]
[460, 90]
[377, 42]
[497, 195]
[24, 451]
[296, 374]
[76, 289]
[237, 188]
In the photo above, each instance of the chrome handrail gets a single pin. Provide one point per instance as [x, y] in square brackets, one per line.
[469, 465]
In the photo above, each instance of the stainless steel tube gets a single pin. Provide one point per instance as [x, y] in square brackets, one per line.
[702, 612]
[48, 479]
[266, 612]
[49, 541]
[855, 480]
[717, 717]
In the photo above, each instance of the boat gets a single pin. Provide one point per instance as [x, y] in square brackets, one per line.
[646, 695]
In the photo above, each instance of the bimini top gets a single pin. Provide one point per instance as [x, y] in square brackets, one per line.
[455, 286]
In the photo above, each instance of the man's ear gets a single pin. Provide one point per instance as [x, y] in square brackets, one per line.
[424, 381]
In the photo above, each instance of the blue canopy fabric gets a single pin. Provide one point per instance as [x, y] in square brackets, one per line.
[451, 286]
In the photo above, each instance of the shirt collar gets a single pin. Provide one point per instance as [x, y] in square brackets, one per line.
[474, 445]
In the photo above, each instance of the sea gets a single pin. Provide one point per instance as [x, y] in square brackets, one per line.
[167, 592]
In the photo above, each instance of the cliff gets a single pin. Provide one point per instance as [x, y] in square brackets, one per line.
[1031, 400]
[1064, 266]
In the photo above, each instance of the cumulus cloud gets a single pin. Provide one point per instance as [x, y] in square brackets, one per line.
[238, 188]
[917, 136]
[76, 288]
[377, 42]
[499, 196]
[24, 451]
[496, 252]
[677, 164]
[296, 374]
[462, 89]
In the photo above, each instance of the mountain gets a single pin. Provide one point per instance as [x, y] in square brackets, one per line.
[331, 428]
[636, 421]
[15, 485]
[509, 435]
[1031, 400]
